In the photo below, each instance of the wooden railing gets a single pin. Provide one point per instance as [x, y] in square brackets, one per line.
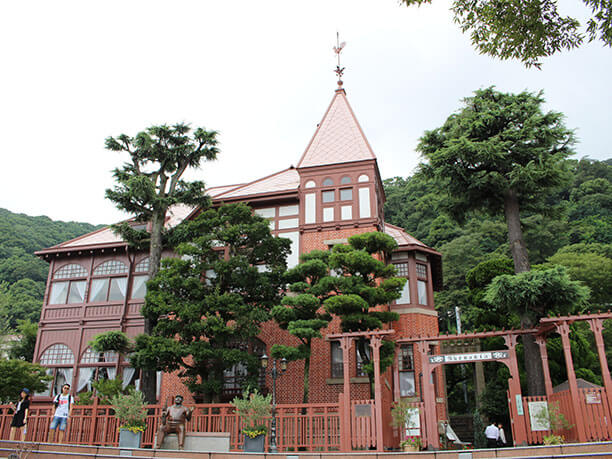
[300, 427]
[595, 413]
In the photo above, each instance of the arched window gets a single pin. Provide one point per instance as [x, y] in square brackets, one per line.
[60, 360]
[344, 180]
[142, 266]
[69, 271]
[328, 182]
[363, 178]
[58, 354]
[111, 267]
[95, 366]
[309, 184]
[109, 283]
[71, 289]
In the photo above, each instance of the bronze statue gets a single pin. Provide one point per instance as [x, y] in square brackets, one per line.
[173, 420]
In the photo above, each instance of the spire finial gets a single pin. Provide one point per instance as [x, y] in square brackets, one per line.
[338, 49]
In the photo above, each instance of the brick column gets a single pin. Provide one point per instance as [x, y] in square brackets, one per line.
[563, 330]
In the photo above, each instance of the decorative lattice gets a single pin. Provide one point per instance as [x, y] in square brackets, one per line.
[421, 270]
[69, 271]
[402, 269]
[58, 354]
[143, 266]
[111, 267]
[91, 356]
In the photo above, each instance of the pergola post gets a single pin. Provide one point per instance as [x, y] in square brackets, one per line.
[376, 342]
[541, 342]
[517, 416]
[345, 439]
[563, 329]
[429, 399]
[597, 329]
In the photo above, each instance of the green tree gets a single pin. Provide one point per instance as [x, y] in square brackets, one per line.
[501, 152]
[592, 269]
[23, 348]
[527, 30]
[537, 293]
[357, 284]
[16, 374]
[212, 298]
[150, 183]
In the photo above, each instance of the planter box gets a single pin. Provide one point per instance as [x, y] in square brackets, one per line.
[129, 439]
[254, 445]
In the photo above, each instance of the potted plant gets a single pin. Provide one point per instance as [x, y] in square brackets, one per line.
[253, 410]
[403, 416]
[411, 444]
[131, 413]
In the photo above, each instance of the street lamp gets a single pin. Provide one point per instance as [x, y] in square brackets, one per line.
[275, 373]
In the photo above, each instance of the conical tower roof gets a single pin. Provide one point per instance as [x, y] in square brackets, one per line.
[338, 138]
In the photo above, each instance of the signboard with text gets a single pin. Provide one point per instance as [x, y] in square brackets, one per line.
[469, 357]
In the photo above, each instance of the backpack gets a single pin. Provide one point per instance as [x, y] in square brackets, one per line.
[56, 400]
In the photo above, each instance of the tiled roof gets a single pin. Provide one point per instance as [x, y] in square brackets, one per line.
[401, 236]
[286, 180]
[338, 138]
[106, 235]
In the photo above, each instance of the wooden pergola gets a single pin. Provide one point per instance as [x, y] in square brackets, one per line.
[560, 325]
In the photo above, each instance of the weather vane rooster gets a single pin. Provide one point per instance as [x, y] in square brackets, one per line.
[338, 49]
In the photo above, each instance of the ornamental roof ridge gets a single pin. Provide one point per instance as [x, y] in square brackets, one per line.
[338, 137]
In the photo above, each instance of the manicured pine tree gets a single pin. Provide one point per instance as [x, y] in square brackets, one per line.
[149, 184]
[210, 301]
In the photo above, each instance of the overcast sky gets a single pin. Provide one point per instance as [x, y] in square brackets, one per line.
[261, 73]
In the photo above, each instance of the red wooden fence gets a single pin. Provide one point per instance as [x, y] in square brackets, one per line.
[310, 427]
[595, 412]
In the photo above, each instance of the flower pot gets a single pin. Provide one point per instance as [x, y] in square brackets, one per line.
[409, 449]
[254, 445]
[128, 439]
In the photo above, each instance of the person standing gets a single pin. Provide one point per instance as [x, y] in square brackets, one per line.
[20, 418]
[63, 409]
[502, 436]
[492, 434]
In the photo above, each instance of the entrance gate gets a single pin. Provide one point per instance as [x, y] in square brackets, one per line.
[589, 410]
[507, 356]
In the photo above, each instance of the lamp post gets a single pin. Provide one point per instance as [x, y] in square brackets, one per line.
[274, 373]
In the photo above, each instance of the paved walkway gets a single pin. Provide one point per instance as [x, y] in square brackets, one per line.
[54, 451]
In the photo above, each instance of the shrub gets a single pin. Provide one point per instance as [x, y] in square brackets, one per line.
[130, 411]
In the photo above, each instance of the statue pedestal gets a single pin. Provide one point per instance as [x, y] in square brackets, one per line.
[199, 441]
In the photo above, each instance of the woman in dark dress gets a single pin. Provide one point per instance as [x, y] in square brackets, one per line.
[20, 418]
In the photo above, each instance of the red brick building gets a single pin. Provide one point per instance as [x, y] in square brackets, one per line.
[97, 283]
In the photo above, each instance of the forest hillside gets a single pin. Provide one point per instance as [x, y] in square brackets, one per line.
[22, 274]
